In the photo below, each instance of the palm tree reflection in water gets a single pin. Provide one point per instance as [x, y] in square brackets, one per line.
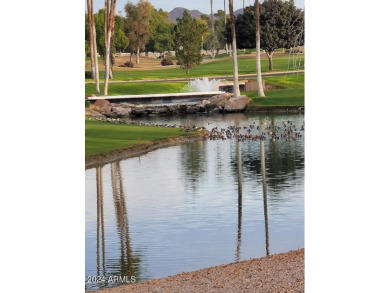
[122, 220]
[127, 260]
[100, 222]
[239, 173]
[264, 177]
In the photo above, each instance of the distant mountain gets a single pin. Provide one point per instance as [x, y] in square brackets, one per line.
[238, 11]
[178, 12]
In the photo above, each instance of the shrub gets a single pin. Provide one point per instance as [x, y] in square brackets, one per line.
[129, 64]
[166, 62]
[88, 74]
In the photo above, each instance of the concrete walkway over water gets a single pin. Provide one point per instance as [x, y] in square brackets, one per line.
[191, 97]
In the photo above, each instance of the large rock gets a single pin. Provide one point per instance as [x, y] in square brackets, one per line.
[107, 109]
[120, 111]
[217, 100]
[203, 103]
[237, 104]
[192, 109]
[138, 110]
[101, 103]
[126, 105]
[92, 113]
[95, 108]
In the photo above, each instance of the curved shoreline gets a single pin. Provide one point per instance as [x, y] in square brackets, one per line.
[282, 272]
[138, 150]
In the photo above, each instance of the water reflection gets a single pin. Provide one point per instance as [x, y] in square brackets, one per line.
[239, 176]
[195, 205]
[263, 175]
[100, 223]
[121, 220]
[128, 263]
[193, 163]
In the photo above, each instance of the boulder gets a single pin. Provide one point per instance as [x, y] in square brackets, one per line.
[237, 104]
[173, 109]
[101, 103]
[126, 105]
[138, 110]
[160, 110]
[203, 103]
[107, 109]
[95, 108]
[92, 113]
[215, 101]
[120, 111]
[192, 109]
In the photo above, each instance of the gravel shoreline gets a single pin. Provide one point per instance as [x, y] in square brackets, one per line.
[282, 272]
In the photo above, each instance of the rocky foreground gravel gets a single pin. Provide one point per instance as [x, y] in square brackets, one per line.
[277, 273]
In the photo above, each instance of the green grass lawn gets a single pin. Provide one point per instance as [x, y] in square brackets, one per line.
[291, 92]
[101, 137]
[115, 89]
[246, 65]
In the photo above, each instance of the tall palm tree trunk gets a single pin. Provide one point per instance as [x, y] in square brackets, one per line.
[260, 89]
[93, 46]
[95, 54]
[212, 16]
[108, 28]
[236, 87]
[91, 51]
[224, 9]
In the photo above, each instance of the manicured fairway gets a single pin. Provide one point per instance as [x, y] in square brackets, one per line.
[101, 137]
[115, 89]
[291, 92]
[246, 65]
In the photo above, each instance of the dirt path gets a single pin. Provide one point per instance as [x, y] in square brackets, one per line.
[277, 273]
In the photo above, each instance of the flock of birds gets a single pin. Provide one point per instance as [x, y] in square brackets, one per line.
[251, 132]
[267, 130]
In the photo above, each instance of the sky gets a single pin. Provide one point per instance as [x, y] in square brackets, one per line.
[201, 5]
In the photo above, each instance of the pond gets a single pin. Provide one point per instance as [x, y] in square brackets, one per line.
[198, 204]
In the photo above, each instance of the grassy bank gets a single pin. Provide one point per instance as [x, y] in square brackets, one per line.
[115, 89]
[101, 137]
[290, 91]
[223, 66]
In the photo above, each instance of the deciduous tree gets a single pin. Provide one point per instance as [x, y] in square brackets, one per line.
[188, 40]
[161, 35]
[138, 24]
[280, 25]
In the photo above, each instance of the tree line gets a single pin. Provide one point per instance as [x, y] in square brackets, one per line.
[274, 24]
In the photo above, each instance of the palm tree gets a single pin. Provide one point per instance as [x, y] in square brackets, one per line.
[236, 88]
[93, 46]
[212, 17]
[260, 89]
[224, 9]
[109, 16]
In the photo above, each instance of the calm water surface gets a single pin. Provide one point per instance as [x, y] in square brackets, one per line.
[195, 205]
